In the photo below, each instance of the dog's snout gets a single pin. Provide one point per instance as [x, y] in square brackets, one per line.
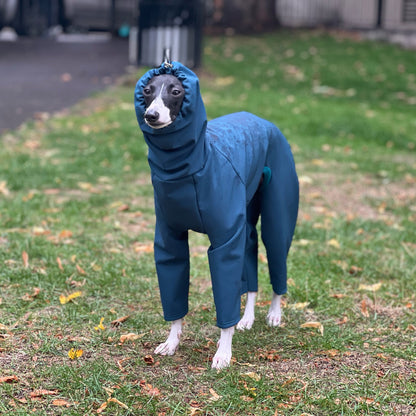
[152, 116]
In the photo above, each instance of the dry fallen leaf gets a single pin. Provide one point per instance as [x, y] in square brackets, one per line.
[305, 180]
[303, 242]
[246, 398]
[130, 337]
[299, 305]
[364, 310]
[366, 400]
[96, 267]
[25, 258]
[43, 392]
[373, 288]
[121, 362]
[330, 353]
[196, 369]
[86, 186]
[148, 389]
[338, 295]
[3, 188]
[58, 260]
[65, 299]
[214, 396]
[65, 234]
[316, 325]
[114, 400]
[195, 411]
[73, 353]
[76, 283]
[252, 375]
[61, 403]
[29, 297]
[117, 322]
[270, 355]
[123, 207]
[262, 258]
[355, 270]
[144, 248]
[102, 407]
[318, 162]
[224, 81]
[80, 269]
[342, 321]
[9, 379]
[100, 326]
[149, 360]
[333, 243]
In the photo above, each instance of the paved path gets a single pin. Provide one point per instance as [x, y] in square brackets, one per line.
[43, 75]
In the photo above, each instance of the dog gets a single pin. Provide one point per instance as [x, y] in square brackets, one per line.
[218, 178]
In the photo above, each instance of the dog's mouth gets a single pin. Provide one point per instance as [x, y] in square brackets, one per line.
[157, 125]
[155, 122]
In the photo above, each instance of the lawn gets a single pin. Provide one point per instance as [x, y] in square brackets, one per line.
[80, 313]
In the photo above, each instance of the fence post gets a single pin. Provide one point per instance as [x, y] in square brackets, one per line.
[379, 24]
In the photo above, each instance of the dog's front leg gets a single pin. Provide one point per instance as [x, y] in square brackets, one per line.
[223, 355]
[171, 344]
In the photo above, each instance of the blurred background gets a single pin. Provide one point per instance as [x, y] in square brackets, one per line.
[47, 45]
[40, 17]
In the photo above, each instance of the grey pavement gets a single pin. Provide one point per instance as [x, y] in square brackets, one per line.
[44, 75]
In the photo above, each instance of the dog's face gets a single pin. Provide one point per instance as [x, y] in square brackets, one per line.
[163, 96]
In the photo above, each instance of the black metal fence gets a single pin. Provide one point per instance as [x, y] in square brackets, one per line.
[174, 25]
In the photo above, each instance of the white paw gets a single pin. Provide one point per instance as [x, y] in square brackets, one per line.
[274, 319]
[167, 348]
[246, 322]
[171, 344]
[222, 357]
[221, 361]
[274, 316]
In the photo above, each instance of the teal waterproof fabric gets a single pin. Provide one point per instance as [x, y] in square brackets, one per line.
[206, 178]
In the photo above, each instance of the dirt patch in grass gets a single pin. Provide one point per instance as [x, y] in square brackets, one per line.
[357, 197]
[321, 373]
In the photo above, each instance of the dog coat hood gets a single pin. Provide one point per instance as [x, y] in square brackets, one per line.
[179, 149]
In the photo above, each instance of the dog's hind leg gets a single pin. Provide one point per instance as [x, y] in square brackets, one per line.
[279, 209]
[171, 344]
[274, 315]
[222, 357]
[246, 322]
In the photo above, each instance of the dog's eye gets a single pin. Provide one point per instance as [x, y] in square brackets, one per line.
[147, 91]
[176, 92]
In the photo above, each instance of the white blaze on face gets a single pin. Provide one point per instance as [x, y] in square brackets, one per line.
[159, 106]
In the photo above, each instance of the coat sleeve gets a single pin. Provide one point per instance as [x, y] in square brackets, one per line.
[171, 252]
[226, 265]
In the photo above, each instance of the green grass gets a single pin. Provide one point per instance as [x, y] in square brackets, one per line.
[75, 195]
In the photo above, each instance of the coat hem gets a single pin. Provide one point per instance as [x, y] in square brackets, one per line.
[175, 317]
[228, 325]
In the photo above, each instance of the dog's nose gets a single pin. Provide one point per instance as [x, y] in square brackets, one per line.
[152, 116]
